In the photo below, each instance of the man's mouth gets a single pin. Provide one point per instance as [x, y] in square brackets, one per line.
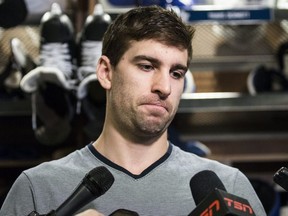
[157, 105]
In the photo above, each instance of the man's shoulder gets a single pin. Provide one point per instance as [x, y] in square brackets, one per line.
[188, 159]
[62, 166]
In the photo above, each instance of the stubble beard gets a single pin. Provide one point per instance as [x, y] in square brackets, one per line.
[146, 127]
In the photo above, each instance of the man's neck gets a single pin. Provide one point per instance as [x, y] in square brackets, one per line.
[134, 157]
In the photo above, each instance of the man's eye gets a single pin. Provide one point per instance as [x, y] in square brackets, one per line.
[177, 74]
[145, 67]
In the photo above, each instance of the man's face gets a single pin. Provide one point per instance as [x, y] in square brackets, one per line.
[147, 84]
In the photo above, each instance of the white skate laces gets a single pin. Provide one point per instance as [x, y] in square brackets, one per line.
[90, 54]
[57, 55]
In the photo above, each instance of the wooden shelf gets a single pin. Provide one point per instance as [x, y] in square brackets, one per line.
[232, 101]
[15, 107]
[253, 158]
[190, 103]
[19, 164]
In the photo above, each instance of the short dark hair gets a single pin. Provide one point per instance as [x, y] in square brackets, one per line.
[143, 23]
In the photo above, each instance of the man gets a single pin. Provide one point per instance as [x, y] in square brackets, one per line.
[146, 53]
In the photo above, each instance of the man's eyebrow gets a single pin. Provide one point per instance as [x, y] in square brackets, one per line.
[157, 62]
[179, 67]
[147, 58]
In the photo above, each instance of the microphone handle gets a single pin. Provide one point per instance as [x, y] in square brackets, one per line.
[79, 198]
[34, 213]
[281, 178]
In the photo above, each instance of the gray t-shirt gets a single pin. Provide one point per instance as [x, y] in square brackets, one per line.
[161, 189]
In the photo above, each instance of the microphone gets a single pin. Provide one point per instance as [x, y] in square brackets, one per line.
[124, 212]
[93, 185]
[218, 202]
[281, 178]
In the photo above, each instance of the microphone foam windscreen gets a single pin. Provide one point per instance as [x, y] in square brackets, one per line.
[203, 183]
[99, 180]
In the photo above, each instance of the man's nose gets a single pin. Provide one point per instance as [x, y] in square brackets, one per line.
[162, 83]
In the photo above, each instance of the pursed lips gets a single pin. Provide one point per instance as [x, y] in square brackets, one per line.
[157, 104]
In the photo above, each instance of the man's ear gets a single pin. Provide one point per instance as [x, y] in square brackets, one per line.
[104, 72]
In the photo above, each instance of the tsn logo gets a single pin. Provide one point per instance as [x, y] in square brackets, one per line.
[215, 206]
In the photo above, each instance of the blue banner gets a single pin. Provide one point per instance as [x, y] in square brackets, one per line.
[265, 14]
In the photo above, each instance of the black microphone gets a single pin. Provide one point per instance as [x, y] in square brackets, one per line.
[124, 212]
[211, 197]
[281, 178]
[93, 185]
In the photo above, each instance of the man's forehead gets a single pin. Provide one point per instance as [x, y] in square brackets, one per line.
[156, 49]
